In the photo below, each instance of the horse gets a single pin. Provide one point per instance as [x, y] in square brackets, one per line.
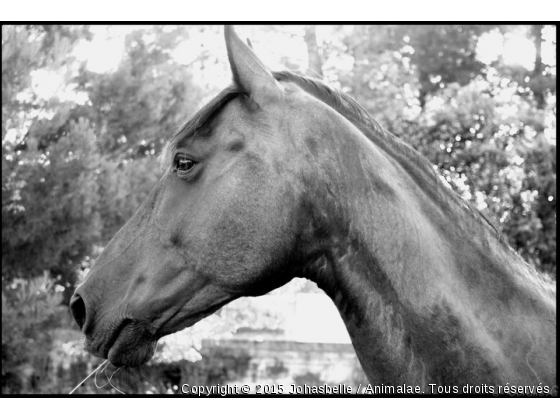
[281, 176]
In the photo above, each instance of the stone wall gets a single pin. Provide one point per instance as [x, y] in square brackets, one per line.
[291, 362]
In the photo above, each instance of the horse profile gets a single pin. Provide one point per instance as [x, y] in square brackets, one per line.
[280, 176]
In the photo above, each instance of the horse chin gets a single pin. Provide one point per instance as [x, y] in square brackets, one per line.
[132, 357]
[132, 348]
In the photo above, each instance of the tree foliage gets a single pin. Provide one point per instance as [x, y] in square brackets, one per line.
[30, 312]
[79, 171]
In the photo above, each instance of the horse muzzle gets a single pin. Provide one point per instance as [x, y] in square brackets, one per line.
[121, 340]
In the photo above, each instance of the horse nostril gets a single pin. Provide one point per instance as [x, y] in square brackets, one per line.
[78, 309]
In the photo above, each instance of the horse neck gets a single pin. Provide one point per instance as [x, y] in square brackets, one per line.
[425, 296]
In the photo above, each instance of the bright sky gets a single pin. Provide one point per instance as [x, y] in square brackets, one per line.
[515, 48]
[105, 51]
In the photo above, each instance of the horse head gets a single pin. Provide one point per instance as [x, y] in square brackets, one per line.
[219, 224]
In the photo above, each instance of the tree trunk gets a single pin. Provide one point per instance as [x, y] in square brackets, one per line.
[537, 86]
[315, 61]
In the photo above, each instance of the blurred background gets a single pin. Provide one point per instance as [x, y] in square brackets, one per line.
[87, 109]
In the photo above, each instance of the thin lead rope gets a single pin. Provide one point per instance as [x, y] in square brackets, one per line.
[95, 377]
[105, 363]
[104, 370]
[111, 377]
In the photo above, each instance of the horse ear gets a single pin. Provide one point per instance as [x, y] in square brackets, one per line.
[249, 72]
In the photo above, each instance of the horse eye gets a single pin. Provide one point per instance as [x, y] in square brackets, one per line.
[184, 165]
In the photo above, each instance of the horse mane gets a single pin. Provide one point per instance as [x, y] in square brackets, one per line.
[395, 147]
[345, 105]
[402, 152]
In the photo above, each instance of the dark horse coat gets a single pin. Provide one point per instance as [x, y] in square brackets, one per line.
[280, 176]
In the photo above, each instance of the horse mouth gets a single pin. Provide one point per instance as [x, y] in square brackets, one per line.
[134, 357]
[134, 343]
[131, 344]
